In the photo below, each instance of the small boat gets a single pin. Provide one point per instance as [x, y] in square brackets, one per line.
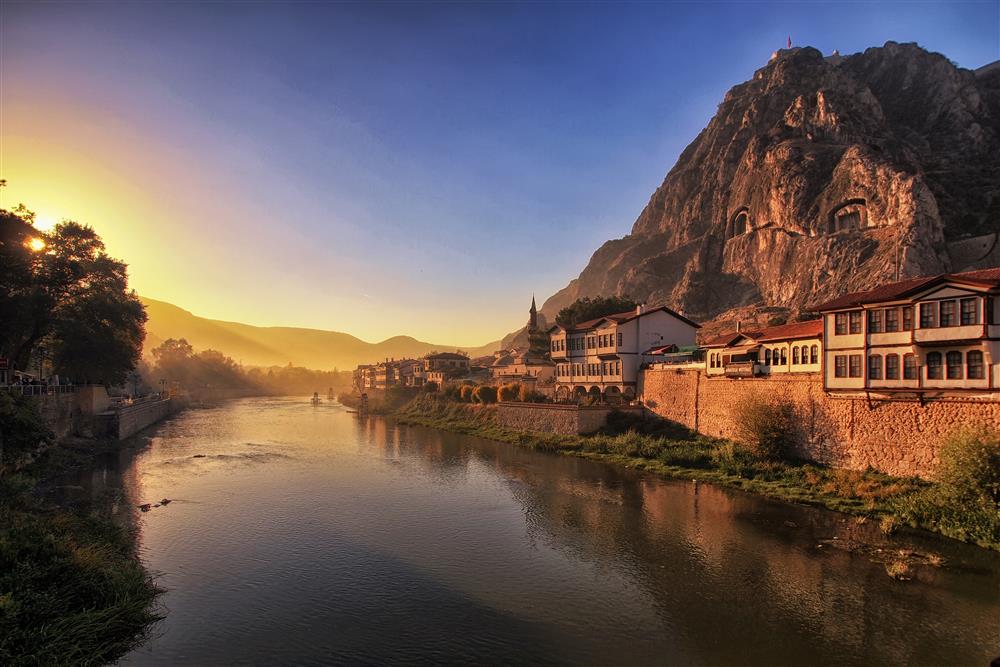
[316, 400]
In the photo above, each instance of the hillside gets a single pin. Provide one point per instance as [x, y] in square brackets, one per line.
[277, 346]
[820, 175]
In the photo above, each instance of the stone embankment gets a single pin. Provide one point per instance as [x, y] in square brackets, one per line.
[899, 436]
[560, 419]
[88, 412]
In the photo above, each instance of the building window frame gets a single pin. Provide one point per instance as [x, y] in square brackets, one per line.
[875, 367]
[954, 365]
[947, 313]
[854, 363]
[840, 366]
[969, 311]
[911, 370]
[892, 367]
[854, 321]
[935, 366]
[975, 368]
[840, 324]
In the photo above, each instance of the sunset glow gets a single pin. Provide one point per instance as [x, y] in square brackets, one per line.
[297, 164]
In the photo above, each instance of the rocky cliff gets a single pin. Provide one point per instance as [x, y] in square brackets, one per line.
[818, 176]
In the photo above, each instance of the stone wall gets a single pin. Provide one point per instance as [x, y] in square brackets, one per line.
[133, 418]
[898, 436]
[549, 418]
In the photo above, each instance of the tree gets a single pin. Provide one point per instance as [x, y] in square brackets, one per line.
[62, 289]
[587, 308]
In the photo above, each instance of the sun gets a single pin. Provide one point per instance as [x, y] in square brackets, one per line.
[36, 244]
[44, 221]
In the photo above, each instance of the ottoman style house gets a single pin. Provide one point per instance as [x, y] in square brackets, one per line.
[601, 358]
[786, 348]
[932, 334]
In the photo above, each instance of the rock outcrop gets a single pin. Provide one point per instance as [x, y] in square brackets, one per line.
[820, 175]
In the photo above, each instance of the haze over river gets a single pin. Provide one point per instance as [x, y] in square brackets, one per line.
[308, 535]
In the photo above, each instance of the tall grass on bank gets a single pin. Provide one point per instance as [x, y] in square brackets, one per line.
[72, 589]
[964, 503]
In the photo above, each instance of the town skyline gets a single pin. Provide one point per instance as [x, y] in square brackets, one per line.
[292, 198]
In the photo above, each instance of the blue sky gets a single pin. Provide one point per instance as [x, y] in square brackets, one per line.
[388, 168]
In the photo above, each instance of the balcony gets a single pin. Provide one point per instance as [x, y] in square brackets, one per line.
[742, 369]
[947, 335]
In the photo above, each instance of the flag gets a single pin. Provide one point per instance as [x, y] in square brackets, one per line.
[789, 41]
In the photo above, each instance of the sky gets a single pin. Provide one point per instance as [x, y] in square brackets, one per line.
[387, 168]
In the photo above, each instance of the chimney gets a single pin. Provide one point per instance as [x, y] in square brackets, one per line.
[738, 322]
[640, 308]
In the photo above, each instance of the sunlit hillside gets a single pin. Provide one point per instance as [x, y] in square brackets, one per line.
[269, 346]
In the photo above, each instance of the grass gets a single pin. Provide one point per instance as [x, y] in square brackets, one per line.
[670, 450]
[72, 589]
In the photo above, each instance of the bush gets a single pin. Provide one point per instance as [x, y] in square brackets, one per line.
[767, 426]
[532, 396]
[452, 391]
[510, 392]
[734, 459]
[465, 393]
[22, 428]
[430, 387]
[485, 394]
[970, 468]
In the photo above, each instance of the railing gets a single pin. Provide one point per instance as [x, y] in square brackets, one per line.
[38, 389]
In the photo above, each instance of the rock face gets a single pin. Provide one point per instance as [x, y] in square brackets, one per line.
[818, 176]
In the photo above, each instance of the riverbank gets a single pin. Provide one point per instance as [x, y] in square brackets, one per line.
[72, 588]
[671, 450]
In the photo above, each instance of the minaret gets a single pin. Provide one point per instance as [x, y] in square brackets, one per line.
[532, 315]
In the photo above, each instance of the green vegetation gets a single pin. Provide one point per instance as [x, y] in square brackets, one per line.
[22, 429]
[766, 426]
[66, 302]
[963, 505]
[485, 394]
[587, 308]
[72, 589]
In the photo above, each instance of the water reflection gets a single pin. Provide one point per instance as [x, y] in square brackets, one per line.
[311, 536]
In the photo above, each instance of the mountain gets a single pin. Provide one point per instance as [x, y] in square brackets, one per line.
[277, 346]
[820, 175]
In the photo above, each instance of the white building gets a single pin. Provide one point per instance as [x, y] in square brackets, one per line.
[926, 334]
[782, 349]
[601, 357]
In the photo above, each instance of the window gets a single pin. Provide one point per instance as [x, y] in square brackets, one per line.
[892, 367]
[767, 356]
[974, 365]
[948, 314]
[840, 366]
[934, 370]
[875, 367]
[855, 366]
[891, 319]
[970, 311]
[954, 362]
[909, 367]
[874, 321]
[927, 316]
[907, 318]
[619, 340]
[814, 354]
[795, 355]
[855, 321]
[840, 324]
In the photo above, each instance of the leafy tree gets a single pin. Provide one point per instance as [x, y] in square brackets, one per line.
[587, 308]
[60, 290]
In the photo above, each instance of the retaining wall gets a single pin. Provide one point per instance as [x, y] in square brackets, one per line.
[900, 436]
[549, 418]
[131, 419]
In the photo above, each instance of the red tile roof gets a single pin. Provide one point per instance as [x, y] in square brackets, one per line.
[903, 288]
[792, 330]
[626, 316]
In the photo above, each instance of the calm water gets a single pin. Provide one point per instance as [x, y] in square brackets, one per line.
[306, 535]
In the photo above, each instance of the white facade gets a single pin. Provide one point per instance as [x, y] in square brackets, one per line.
[603, 356]
[944, 335]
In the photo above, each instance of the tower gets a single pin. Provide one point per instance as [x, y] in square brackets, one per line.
[532, 315]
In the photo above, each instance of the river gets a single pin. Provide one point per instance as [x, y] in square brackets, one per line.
[307, 535]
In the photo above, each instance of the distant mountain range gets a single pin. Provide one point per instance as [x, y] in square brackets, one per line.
[277, 346]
